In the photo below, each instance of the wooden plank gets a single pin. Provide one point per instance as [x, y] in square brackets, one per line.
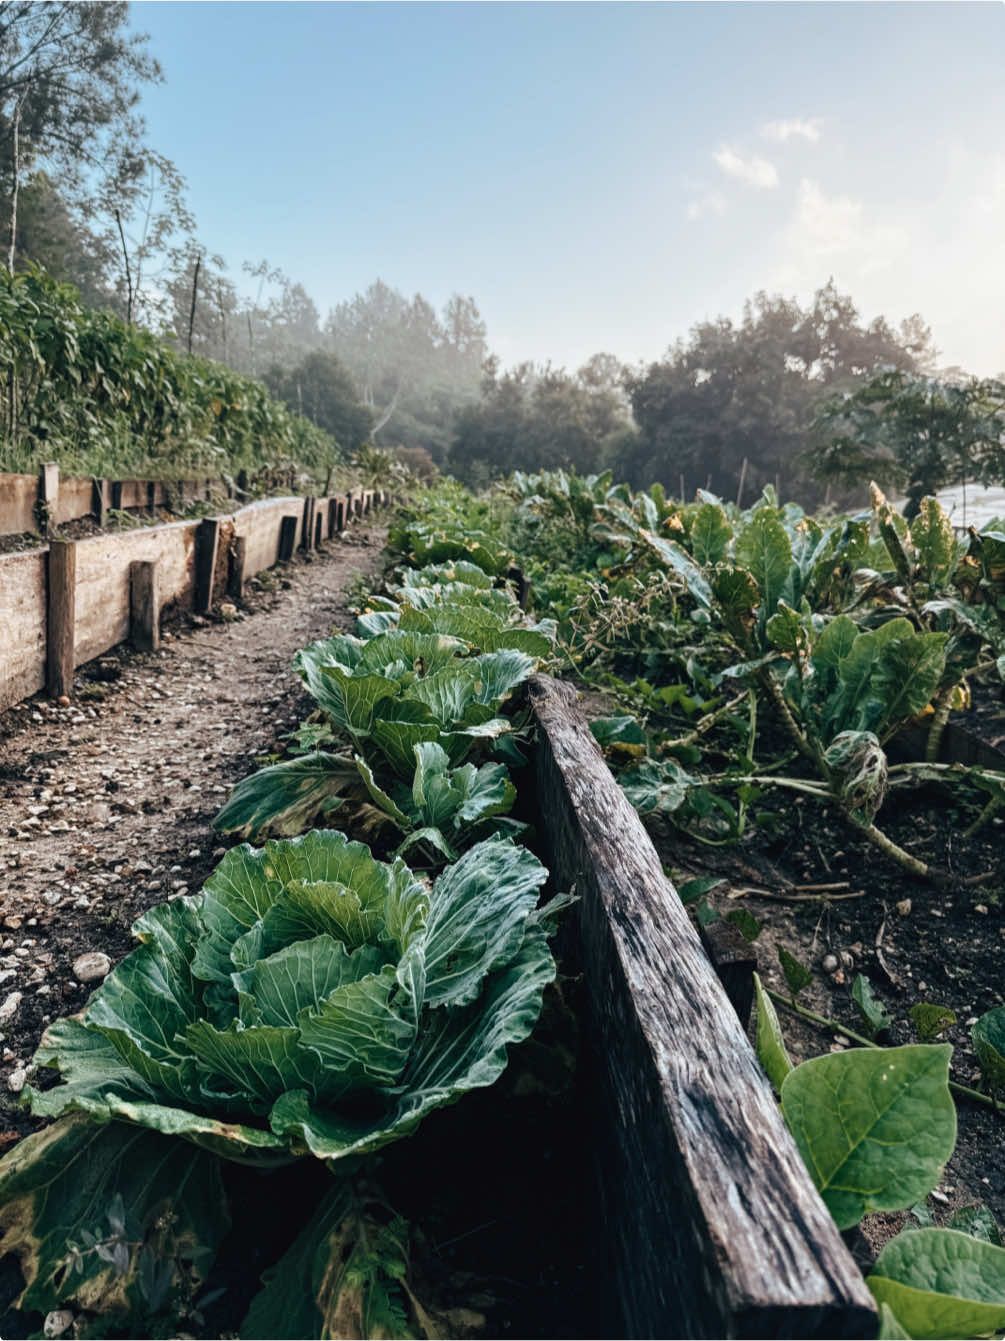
[23, 603]
[238, 564]
[207, 539]
[18, 496]
[144, 605]
[117, 494]
[713, 1226]
[339, 515]
[332, 518]
[61, 618]
[318, 524]
[307, 530]
[152, 497]
[48, 496]
[287, 538]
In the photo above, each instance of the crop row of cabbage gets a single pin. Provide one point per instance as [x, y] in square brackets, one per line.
[312, 1002]
[841, 631]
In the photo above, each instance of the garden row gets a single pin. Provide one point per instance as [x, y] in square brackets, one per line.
[314, 1003]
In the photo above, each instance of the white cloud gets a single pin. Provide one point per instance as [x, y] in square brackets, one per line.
[794, 128]
[826, 229]
[708, 202]
[753, 171]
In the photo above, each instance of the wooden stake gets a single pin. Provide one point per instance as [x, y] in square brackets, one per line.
[48, 496]
[144, 605]
[61, 617]
[207, 539]
[238, 559]
[287, 538]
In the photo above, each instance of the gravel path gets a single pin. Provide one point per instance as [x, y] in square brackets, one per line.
[106, 805]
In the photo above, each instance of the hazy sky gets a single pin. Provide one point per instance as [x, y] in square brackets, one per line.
[601, 176]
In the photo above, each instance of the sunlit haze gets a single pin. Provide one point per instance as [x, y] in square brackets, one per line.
[601, 176]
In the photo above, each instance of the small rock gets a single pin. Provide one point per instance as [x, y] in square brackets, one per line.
[228, 611]
[64, 702]
[17, 1080]
[83, 903]
[904, 907]
[981, 908]
[936, 1195]
[9, 1008]
[57, 1322]
[847, 959]
[194, 855]
[91, 966]
[829, 963]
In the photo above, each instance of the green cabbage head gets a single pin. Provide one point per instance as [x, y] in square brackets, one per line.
[310, 1000]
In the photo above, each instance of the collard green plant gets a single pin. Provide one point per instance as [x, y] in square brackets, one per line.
[941, 1283]
[988, 1036]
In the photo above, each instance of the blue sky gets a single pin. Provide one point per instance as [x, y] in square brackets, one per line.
[600, 176]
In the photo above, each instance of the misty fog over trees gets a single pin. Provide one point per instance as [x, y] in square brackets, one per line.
[775, 397]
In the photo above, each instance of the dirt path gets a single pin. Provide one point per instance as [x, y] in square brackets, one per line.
[106, 805]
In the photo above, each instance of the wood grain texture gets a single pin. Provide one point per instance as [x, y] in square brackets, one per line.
[61, 617]
[18, 496]
[144, 605]
[287, 537]
[23, 588]
[238, 567]
[207, 546]
[713, 1226]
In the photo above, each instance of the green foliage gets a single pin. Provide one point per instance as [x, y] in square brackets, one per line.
[930, 1020]
[797, 975]
[854, 1116]
[770, 1045]
[102, 397]
[941, 1283]
[988, 1036]
[875, 1017]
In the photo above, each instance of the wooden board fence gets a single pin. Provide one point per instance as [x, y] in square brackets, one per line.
[711, 1223]
[60, 610]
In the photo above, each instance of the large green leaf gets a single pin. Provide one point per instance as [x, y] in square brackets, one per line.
[771, 1050]
[682, 563]
[763, 548]
[110, 1219]
[351, 700]
[710, 534]
[941, 1283]
[361, 1031]
[936, 543]
[657, 785]
[988, 1036]
[401, 652]
[875, 1127]
[477, 912]
[285, 798]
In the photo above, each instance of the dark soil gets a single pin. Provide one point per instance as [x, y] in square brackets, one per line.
[106, 809]
[914, 941]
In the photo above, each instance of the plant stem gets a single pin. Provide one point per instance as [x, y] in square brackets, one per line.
[940, 717]
[993, 805]
[836, 1027]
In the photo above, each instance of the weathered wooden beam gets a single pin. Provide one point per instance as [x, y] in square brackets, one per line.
[318, 525]
[307, 530]
[238, 565]
[287, 538]
[339, 515]
[144, 605]
[61, 617]
[332, 518]
[713, 1226]
[48, 496]
[102, 500]
[117, 494]
[735, 962]
[207, 539]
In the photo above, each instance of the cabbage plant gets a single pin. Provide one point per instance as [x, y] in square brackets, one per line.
[310, 1001]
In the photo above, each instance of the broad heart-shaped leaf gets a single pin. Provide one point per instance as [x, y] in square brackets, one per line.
[941, 1283]
[342, 650]
[988, 1036]
[398, 652]
[459, 1049]
[477, 913]
[284, 798]
[763, 548]
[907, 674]
[72, 1180]
[372, 622]
[499, 673]
[710, 534]
[771, 1050]
[447, 693]
[875, 1127]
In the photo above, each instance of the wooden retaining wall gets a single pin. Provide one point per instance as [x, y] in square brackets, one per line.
[65, 603]
[711, 1223]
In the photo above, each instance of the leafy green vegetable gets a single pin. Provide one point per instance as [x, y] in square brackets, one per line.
[285, 798]
[978, 1222]
[941, 1283]
[797, 975]
[930, 1020]
[855, 1117]
[310, 998]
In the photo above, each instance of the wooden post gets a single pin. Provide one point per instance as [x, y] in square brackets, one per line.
[102, 499]
[712, 1223]
[207, 539]
[287, 538]
[332, 518]
[242, 482]
[48, 496]
[61, 617]
[117, 494]
[318, 523]
[307, 531]
[144, 605]
[238, 559]
[152, 497]
[339, 515]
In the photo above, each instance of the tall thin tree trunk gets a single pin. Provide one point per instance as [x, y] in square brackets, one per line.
[15, 179]
[191, 311]
[129, 273]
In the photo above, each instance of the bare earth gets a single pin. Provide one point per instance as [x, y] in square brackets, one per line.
[106, 806]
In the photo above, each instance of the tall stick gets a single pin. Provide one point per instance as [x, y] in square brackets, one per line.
[743, 476]
[129, 275]
[15, 178]
[191, 312]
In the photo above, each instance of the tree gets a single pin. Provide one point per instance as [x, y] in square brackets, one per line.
[748, 392]
[918, 433]
[532, 418]
[321, 389]
[69, 77]
[50, 235]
